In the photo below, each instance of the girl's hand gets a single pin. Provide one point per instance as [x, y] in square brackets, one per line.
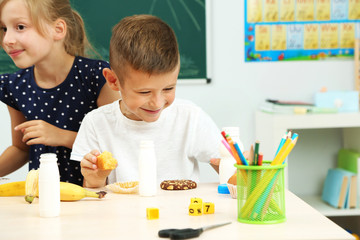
[93, 177]
[41, 132]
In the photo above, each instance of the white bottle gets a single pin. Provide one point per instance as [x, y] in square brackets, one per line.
[234, 133]
[49, 186]
[147, 169]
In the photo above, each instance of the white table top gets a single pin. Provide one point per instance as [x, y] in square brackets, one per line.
[120, 216]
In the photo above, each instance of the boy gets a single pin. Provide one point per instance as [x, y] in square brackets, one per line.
[145, 63]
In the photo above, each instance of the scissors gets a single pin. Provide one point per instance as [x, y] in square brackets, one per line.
[186, 233]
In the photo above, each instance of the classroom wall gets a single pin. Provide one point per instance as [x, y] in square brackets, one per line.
[237, 87]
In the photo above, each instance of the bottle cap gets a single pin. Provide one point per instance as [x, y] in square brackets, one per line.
[223, 189]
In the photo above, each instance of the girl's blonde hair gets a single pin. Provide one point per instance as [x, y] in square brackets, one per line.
[48, 11]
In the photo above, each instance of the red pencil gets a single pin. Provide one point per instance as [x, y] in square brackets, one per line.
[260, 159]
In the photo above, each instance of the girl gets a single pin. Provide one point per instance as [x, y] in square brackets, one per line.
[56, 86]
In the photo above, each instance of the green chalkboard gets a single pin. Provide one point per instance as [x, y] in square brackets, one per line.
[186, 17]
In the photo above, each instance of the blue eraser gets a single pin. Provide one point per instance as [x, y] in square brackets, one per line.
[223, 189]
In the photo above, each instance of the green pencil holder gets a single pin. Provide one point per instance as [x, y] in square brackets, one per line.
[260, 193]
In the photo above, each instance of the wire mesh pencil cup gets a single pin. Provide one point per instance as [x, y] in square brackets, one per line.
[260, 193]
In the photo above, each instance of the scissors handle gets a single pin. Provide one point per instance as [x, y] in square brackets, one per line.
[180, 233]
[165, 233]
[186, 233]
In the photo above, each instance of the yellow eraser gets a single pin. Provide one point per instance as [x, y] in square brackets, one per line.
[152, 213]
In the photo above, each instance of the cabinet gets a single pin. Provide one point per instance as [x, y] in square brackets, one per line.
[269, 128]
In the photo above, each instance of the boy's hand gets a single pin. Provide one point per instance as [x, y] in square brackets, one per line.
[93, 177]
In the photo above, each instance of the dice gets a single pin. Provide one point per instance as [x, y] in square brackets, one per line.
[152, 213]
[196, 200]
[208, 208]
[197, 207]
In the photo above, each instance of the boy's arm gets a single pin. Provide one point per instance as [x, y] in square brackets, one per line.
[17, 154]
[215, 163]
[93, 177]
[85, 141]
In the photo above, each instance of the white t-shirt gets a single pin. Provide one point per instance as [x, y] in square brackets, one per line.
[183, 135]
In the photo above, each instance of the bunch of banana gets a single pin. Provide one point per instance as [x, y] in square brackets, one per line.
[29, 188]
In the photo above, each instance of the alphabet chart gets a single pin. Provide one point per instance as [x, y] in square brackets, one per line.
[280, 30]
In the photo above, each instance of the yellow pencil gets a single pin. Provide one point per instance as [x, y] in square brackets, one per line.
[286, 152]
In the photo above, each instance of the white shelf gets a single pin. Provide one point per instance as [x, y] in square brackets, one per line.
[308, 121]
[270, 127]
[326, 209]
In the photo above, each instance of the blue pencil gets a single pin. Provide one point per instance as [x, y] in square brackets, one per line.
[295, 135]
[283, 139]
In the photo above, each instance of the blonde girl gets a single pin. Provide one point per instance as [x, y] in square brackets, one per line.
[56, 86]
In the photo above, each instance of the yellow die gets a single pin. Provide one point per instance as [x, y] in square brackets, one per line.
[196, 200]
[195, 209]
[209, 208]
[152, 213]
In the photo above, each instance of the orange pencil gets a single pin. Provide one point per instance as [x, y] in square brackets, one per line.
[233, 150]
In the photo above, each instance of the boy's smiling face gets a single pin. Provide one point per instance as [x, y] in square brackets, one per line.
[144, 96]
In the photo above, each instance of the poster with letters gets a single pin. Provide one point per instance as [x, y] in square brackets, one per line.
[287, 30]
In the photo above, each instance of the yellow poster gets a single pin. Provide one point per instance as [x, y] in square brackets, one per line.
[254, 8]
[323, 10]
[271, 13]
[311, 36]
[305, 10]
[354, 9]
[347, 35]
[287, 10]
[262, 37]
[278, 37]
[329, 34]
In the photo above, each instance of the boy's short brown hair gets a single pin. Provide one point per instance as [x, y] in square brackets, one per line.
[145, 43]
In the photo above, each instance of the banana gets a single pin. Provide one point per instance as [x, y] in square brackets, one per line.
[73, 192]
[30, 188]
[12, 189]
[31, 185]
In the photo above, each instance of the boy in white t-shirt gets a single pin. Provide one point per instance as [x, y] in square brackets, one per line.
[145, 63]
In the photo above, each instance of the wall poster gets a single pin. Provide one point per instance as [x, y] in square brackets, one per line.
[278, 30]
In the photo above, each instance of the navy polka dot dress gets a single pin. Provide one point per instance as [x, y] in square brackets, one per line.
[63, 106]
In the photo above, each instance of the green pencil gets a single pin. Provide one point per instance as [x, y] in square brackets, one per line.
[256, 152]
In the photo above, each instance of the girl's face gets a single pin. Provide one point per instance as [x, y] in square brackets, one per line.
[144, 96]
[21, 40]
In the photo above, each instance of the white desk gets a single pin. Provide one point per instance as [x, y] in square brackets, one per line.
[124, 217]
